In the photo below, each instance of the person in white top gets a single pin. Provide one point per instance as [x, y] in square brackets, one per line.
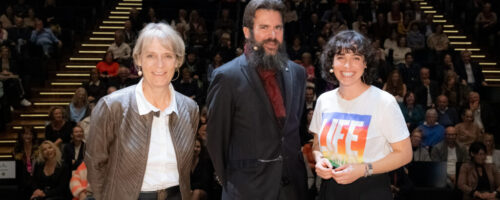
[359, 130]
[142, 137]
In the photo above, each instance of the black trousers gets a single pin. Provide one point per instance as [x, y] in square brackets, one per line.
[372, 187]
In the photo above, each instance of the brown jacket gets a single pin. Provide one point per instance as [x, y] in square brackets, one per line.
[468, 178]
[118, 145]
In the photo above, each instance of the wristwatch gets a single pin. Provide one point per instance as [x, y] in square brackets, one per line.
[368, 169]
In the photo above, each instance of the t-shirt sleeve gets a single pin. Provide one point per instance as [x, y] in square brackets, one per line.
[315, 125]
[395, 129]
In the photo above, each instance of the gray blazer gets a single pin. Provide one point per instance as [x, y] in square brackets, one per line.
[118, 144]
[439, 152]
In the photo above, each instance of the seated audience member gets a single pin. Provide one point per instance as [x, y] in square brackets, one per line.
[187, 85]
[456, 92]
[413, 113]
[395, 86]
[409, 72]
[308, 65]
[108, 67]
[470, 72]
[224, 47]
[451, 152]
[78, 108]
[427, 90]
[416, 40]
[96, 87]
[484, 115]
[30, 19]
[121, 50]
[123, 80]
[391, 42]
[420, 153]
[438, 41]
[477, 179]
[492, 154]
[85, 123]
[201, 172]
[216, 62]
[78, 183]
[3, 34]
[433, 132]
[447, 116]
[19, 35]
[194, 64]
[468, 131]
[25, 152]
[442, 68]
[59, 128]
[486, 25]
[7, 18]
[296, 50]
[129, 33]
[51, 175]
[400, 51]
[45, 38]
[73, 152]
[12, 85]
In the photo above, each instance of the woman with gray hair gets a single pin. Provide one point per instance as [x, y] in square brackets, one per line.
[141, 138]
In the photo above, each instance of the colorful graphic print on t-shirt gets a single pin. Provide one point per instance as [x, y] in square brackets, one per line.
[343, 137]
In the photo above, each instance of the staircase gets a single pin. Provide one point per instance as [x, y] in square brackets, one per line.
[62, 84]
[460, 42]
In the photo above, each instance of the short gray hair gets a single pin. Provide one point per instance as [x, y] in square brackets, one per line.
[168, 37]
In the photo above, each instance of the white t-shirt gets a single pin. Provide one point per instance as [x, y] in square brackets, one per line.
[358, 130]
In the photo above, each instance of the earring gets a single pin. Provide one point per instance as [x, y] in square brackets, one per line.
[139, 72]
[331, 71]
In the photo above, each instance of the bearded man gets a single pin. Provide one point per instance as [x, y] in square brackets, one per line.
[255, 103]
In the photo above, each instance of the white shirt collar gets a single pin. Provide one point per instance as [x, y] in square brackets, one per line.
[145, 107]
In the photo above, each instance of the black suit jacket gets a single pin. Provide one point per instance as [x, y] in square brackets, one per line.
[421, 93]
[477, 72]
[251, 154]
[69, 155]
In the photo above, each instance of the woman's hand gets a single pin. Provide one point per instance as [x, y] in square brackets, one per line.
[324, 168]
[348, 173]
[37, 193]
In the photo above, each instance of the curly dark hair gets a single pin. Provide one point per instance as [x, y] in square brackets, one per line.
[254, 5]
[347, 41]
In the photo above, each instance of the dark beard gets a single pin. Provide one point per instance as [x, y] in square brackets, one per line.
[261, 60]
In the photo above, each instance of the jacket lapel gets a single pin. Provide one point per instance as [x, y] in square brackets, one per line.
[288, 85]
[255, 82]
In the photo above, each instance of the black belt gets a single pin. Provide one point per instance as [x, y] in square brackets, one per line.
[168, 193]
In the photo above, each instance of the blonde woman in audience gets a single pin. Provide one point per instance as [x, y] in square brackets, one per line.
[492, 154]
[51, 175]
[467, 131]
[395, 86]
[78, 108]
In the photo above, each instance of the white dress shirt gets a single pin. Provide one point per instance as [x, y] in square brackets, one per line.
[161, 169]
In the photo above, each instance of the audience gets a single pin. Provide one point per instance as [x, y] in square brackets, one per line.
[395, 86]
[59, 128]
[108, 67]
[78, 108]
[413, 113]
[45, 38]
[420, 152]
[51, 175]
[478, 179]
[447, 116]
[432, 131]
[468, 131]
[25, 153]
[73, 152]
[121, 50]
[451, 152]
[492, 154]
